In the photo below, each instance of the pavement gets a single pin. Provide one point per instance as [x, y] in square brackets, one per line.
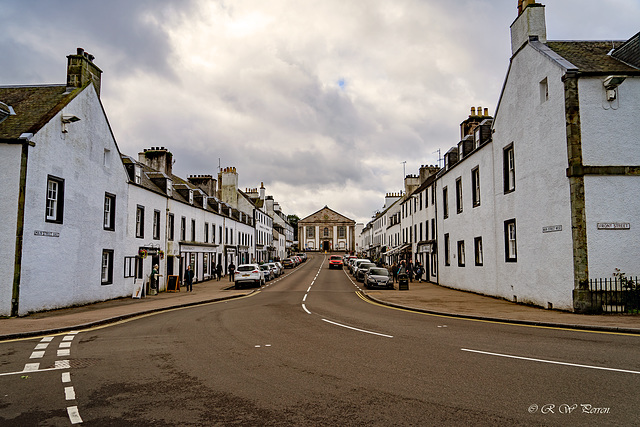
[421, 297]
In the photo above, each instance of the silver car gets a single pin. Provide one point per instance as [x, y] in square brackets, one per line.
[266, 270]
[274, 269]
[378, 276]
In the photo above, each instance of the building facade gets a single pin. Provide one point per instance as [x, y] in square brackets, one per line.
[326, 230]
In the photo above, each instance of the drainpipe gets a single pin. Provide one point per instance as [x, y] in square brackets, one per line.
[25, 140]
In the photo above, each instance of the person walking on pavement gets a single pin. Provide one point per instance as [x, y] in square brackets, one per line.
[214, 271]
[153, 280]
[219, 271]
[188, 278]
[394, 272]
[410, 270]
[232, 271]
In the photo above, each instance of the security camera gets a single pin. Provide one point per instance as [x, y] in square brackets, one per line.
[612, 82]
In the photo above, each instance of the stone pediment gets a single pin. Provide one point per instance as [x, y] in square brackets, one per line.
[326, 215]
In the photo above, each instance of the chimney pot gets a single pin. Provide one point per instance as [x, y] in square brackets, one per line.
[473, 111]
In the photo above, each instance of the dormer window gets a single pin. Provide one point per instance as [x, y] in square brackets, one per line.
[138, 176]
[190, 197]
[169, 188]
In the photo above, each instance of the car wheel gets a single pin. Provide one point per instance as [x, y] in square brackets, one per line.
[237, 285]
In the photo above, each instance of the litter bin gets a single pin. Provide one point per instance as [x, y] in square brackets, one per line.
[403, 282]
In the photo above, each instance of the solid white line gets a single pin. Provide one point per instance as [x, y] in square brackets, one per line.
[74, 415]
[552, 361]
[6, 374]
[356, 329]
[66, 377]
[69, 393]
[305, 309]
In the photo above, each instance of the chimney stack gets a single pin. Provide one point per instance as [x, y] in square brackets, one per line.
[529, 25]
[158, 158]
[81, 70]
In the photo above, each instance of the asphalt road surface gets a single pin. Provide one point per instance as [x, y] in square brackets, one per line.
[309, 349]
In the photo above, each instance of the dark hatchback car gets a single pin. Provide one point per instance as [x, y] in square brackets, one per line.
[288, 263]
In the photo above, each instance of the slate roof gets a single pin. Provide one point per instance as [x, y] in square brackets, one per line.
[592, 56]
[34, 107]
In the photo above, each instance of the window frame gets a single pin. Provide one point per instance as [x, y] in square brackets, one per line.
[57, 210]
[509, 168]
[510, 244]
[171, 227]
[108, 280]
[139, 221]
[475, 186]
[461, 254]
[156, 224]
[478, 251]
[447, 248]
[445, 202]
[109, 215]
[459, 201]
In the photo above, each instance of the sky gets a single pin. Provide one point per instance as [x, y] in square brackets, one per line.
[325, 102]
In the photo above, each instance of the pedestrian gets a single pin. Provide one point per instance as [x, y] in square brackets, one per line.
[214, 270]
[153, 280]
[188, 278]
[219, 271]
[410, 270]
[394, 272]
[419, 271]
[232, 271]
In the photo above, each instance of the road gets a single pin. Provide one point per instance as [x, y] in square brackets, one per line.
[309, 349]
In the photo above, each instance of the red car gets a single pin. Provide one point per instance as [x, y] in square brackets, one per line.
[335, 261]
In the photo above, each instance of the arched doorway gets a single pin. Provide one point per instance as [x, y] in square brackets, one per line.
[325, 245]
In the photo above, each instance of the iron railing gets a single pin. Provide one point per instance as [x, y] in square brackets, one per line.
[618, 294]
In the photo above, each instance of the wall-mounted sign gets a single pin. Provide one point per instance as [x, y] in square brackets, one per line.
[551, 228]
[46, 233]
[614, 226]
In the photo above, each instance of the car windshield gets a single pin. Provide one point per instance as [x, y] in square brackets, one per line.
[264, 267]
[246, 267]
[334, 258]
[366, 266]
[378, 272]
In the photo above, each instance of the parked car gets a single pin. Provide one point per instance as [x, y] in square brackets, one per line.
[356, 263]
[268, 274]
[280, 266]
[303, 256]
[362, 270]
[335, 261]
[378, 276]
[288, 263]
[274, 269]
[248, 273]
